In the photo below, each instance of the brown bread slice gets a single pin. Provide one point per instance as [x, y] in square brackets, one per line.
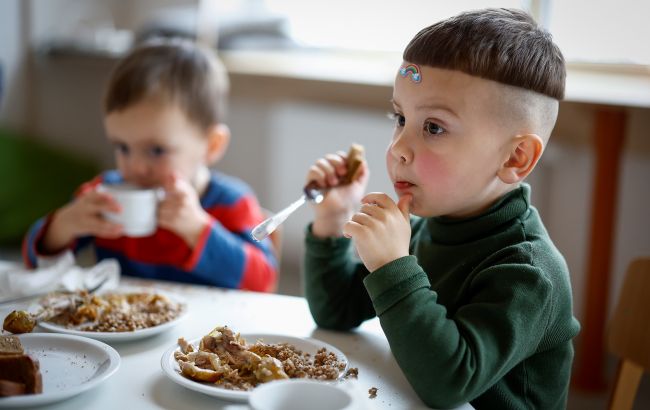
[22, 369]
[9, 388]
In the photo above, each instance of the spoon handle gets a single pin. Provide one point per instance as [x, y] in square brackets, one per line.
[269, 225]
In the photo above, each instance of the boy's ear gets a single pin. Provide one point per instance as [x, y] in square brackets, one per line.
[524, 152]
[218, 139]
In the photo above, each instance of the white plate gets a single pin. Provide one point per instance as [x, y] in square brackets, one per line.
[307, 345]
[69, 365]
[123, 336]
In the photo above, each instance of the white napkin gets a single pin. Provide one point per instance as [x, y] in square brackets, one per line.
[55, 273]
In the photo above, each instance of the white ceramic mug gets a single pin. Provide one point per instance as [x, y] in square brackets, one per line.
[300, 394]
[138, 216]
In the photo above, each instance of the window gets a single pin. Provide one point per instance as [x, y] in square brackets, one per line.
[602, 31]
[595, 31]
[369, 24]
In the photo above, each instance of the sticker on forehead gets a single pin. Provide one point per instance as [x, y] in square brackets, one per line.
[413, 70]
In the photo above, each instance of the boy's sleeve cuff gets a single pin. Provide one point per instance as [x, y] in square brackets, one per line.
[394, 281]
[198, 249]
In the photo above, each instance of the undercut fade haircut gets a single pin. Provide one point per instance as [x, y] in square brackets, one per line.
[179, 71]
[503, 45]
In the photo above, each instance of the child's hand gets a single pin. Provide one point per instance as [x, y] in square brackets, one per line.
[381, 229]
[82, 217]
[181, 212]
[340, 200]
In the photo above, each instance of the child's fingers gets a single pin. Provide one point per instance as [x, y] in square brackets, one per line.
[378, 198]
[96, 203]
[317, 175]
[328, 170]
[372, 210]
[362, 218]
[105, 229]
[352, 229]
[338, 162]
[404, 205]
[166, 216]
[102, 201]
[170, 183]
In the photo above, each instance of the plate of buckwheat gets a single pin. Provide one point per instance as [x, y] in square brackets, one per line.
[230, 365]
[116, 315]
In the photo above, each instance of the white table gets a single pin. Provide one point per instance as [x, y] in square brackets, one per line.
[140, 383]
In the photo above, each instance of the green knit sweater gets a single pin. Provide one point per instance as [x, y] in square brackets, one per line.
[480, 312]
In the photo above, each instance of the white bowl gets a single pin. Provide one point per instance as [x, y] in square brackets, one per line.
[300, 394]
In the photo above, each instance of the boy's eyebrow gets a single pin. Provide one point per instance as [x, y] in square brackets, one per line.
[423, 107]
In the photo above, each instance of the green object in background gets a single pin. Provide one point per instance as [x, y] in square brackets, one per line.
[35, 179]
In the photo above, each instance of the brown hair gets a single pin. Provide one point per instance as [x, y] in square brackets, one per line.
[503, 45]
[179, 70]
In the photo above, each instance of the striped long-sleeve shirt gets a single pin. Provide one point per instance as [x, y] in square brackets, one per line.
[225, 255]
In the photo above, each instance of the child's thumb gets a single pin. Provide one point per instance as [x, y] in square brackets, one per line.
[404, 205]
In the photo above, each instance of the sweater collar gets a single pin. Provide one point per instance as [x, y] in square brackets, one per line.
[453, 231]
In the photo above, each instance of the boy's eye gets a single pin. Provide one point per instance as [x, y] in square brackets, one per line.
[157, 151]
[433, 128]
[122, 148]
[399, 119]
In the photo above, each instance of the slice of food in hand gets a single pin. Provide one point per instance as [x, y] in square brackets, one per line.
[354, 161]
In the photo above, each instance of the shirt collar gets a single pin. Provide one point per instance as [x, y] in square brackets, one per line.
[510, 206]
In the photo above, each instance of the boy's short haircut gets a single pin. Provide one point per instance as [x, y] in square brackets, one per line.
[177, 70]
[502, 45]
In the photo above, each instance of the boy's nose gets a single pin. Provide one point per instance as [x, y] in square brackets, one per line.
[400, 150]
[137, 169]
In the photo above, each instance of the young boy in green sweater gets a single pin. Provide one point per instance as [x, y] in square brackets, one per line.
[472, 294]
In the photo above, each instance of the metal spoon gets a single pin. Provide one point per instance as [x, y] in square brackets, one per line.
[311, 193]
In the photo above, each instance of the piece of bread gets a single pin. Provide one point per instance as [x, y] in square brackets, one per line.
[10, 345]
[9, 388]
[21, 369]
[354, 161]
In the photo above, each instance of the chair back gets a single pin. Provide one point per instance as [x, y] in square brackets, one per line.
[629, 334]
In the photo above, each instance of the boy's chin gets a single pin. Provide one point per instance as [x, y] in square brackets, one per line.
[416, 210]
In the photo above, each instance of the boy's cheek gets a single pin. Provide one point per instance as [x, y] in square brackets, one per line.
[431, 171]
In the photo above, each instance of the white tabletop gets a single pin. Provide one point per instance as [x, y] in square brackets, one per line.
[140, 383]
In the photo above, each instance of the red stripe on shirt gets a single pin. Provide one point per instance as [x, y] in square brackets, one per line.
[240, 216]
[163, 247]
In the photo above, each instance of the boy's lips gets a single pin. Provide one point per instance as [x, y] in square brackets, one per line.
[402, 185]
